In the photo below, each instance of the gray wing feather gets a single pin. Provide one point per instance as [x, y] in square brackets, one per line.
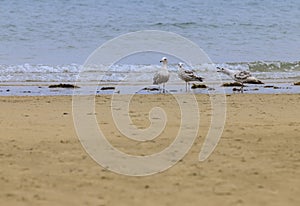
[242, 75]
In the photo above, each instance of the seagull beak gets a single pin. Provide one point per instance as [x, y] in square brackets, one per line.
[218, 69]
[160, 61]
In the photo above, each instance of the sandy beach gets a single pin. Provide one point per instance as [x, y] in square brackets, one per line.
[257, 161]
[53, 52]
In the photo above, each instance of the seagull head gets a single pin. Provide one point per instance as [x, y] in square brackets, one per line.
[219, 69]
[224, 71]
[180, 64]
[164, 60]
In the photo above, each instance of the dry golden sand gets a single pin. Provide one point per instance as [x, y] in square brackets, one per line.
[257, 161]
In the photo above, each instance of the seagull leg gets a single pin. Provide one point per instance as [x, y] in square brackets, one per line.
[242, 88]
[164, 91]
[186, 86]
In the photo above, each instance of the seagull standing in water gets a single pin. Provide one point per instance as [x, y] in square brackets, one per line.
[163, 75]
[239, 76]
[187, 75]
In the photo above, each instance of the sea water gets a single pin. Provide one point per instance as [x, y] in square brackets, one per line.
[48, 41]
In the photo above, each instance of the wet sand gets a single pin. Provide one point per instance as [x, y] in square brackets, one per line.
[257, 161]
[91, 88]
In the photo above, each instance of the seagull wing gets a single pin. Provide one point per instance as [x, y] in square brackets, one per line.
[161, 77]
[156, 78]
[188, 72]
[242, 75]
[188, 75]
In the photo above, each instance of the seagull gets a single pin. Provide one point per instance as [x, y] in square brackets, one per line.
[239, 76]
[187, 75]
[162, 76]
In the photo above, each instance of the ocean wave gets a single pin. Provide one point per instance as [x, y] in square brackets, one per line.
[119, 72]
[265, 66]
[38, 68]
[181, 25]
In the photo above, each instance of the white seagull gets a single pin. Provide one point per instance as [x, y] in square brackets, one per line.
[163, 75]
[187, 75]
[239, 76]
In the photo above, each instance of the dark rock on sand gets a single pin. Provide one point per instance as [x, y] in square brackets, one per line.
[151, 89]
[107, 88]
[238, 84]
[271, 86]
[232, 84]
[276, 87]
[253, 81]
[196, 86]
[63, 86]
[297, 83]
[237, 90]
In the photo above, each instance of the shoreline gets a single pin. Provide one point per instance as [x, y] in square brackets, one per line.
[92, 88]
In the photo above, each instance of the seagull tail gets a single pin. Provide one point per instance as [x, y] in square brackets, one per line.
[200, 79]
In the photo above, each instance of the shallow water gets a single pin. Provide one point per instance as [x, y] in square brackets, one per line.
[42, 89]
